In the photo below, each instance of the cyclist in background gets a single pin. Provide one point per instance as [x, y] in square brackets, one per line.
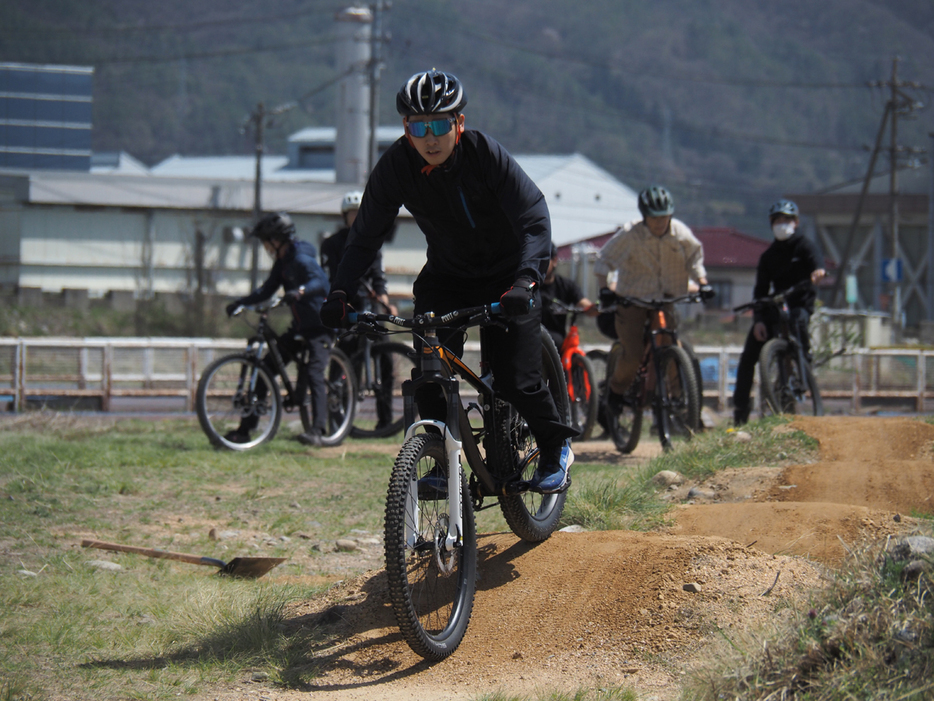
[332, 250]
[295, 268]
[488, 233]
[561, 289]
[790, 259]
[655, 258]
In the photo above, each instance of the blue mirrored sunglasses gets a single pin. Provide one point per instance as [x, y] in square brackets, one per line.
[439, 127]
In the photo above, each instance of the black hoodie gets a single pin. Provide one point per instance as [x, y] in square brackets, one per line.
[785, 264]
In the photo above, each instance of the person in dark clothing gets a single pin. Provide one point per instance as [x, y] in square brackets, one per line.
[295, 268]
[561, 289]
[488, 233]
[789, 260]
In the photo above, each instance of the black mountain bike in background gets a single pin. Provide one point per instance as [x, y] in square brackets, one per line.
[381, 366]
[245, 384]
[430, 537]
[666, 381]
[786, 379]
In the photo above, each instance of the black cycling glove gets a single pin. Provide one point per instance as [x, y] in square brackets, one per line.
[334, 310]
[517, 300]
[232, 307]
[707, 292]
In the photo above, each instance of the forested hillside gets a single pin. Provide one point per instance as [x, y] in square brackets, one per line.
[731, 103]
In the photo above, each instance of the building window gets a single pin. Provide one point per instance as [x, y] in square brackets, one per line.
[723, 299]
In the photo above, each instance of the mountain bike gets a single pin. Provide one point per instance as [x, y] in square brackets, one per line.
[581, 375]
[244, 385]
[786, 380]
[380, 366]
[665, 381]
[430, 537]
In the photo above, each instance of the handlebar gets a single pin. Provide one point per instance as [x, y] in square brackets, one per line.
[259, 307]
[653, 303]
[777, 299]
[429, 320]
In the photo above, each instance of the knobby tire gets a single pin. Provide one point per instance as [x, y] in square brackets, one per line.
[341, 400]
[223, 398]
[431, 608]
[586, 400]
[677, 396]
[779, 370]
[532, 517]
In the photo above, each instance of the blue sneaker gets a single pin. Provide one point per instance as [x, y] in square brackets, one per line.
[554, 463]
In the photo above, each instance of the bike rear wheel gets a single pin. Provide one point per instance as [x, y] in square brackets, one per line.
[676, 396]
[431, 589]
[624, 422]
[341, 400]
[234, 390]
[379, 401]
[584, 395]
[531, 516]
[786, 387]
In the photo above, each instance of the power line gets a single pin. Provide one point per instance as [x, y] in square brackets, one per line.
[215, 54]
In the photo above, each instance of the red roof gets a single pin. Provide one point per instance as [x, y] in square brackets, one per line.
[725, 247]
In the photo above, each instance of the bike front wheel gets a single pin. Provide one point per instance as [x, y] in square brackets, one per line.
[341, 400]
[531, 516]
[237, 394]
[584, 395]
[379, 389]
[677, 396]
[786, 387]
[431, 587]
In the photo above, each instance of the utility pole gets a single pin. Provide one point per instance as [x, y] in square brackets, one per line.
[899, 104]
[376, 66]
[259, 120]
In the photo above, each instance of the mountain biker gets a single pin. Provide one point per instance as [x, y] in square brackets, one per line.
[561, 289]
[790, 259]
[655, 257]
[372, 284]
[488, 233]
[295, 268]
[332, 250]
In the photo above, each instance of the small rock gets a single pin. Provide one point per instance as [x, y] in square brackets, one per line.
[259, 677]
[696, 493]
[573, 528]
[692, 587]
[742, 437]
[223, 535]
[284, 539]
[913, 547]
[914, 569]
[27, 573]
[105, 565]
[346, 544]
[303, 536]
[517, 655]
[295, 505]
[212, 534]
[666, 478]
[897, 518]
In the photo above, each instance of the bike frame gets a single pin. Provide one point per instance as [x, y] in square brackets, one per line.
[570, 347]
[441, 366]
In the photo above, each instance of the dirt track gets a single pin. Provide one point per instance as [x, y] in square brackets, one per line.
[604, 608]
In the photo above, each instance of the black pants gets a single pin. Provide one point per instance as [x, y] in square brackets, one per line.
[516, 353]
[319, 343]
[750, 356]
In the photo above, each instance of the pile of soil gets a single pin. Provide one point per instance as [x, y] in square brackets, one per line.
[606, 608]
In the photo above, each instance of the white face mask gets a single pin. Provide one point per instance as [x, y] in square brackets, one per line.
[783, 231]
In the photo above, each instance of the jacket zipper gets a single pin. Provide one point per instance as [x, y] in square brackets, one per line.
[466, 210]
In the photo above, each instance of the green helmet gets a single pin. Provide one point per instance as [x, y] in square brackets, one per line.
[656, 201]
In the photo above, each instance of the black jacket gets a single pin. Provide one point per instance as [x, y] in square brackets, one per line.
[784, 264]
[482, 216]
[332, 252]
[298, 267]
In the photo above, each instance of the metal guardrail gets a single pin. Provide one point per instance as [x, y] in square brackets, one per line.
[102, 369]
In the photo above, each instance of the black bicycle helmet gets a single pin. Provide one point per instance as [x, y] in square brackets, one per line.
[431, 92]
[275, 226]
[786, 207]
[656, 201]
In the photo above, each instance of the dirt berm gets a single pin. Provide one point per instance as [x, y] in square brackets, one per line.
[605, 608]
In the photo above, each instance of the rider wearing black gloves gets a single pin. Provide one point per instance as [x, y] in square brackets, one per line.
[295, 269]
[489, 239]
[789, 260]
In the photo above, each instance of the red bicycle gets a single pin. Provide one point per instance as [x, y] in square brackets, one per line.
[582, 380]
